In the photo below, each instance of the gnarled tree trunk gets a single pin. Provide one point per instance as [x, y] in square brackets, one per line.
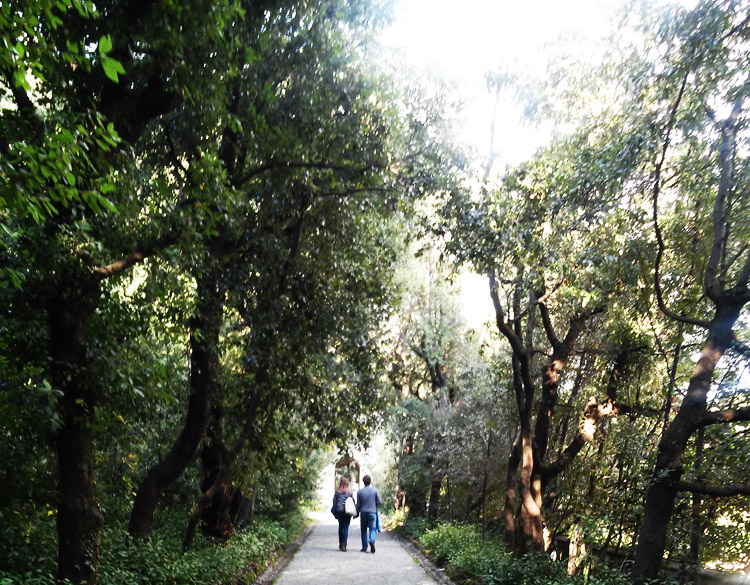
[662, 493]
[728, 303]
[204, 337]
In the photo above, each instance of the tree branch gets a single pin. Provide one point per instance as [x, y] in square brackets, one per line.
[559, 359]
[735, 29]
[548, 328]
[712, 490]
[515, 341]
[657, 229]
[586, 432]
[103, 272]
[356, 191]
[728, 135]
[744, 277]
[594, 412]
[714, 417]
[419, 353]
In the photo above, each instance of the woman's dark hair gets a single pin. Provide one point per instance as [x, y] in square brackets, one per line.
[343, 486]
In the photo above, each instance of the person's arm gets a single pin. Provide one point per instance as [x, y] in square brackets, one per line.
[378, 500]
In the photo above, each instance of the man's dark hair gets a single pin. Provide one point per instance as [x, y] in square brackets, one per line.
[366, 480]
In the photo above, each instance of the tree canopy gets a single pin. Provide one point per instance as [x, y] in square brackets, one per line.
[232, 237]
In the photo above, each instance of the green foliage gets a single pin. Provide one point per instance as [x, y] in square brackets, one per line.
[469, 559]
[286, 163]
[414, 526]
[158, 560]
[450, 422]
[27, 535]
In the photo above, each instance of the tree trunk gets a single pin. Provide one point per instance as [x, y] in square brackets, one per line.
[534, 442]
[662, 492]
[79, 517]
[434, 507]
[531, 514]
[215, 516]
[245, 513]
[485, 482]
[251, 506]
[696, 528]
[417, 504]
[577, 384]
[576, 549]
[204, 337]
[237, 507]
[511, 482]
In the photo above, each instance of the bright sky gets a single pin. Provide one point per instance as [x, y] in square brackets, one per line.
[463, 41]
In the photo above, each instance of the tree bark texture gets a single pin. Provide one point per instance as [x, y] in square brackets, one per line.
[511, 482]
[531, 512]
[79, 517]
[530, 453]
[662, 493]
[215, 515]
[728, 302]
[696, 528]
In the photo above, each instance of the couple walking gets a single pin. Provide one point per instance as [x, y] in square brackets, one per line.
[368, 500]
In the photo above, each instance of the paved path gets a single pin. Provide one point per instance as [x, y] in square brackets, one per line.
[320, 562]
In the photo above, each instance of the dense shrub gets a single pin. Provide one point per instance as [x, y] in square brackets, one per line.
[413, 527]
[470, 559]
[159, 560]
[29, 547]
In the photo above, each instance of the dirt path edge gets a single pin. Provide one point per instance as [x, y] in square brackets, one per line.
[284, 557]
[418, 554]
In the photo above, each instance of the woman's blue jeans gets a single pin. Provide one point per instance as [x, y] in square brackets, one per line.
[367, 522]
[344, 521]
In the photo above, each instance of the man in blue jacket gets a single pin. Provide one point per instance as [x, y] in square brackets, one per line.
[368, 500]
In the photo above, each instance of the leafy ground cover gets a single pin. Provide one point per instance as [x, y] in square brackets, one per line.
[469, 559]
[158, 560]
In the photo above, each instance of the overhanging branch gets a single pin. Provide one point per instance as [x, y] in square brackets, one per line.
[715, 491]
[715, 417]
[103, 272]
